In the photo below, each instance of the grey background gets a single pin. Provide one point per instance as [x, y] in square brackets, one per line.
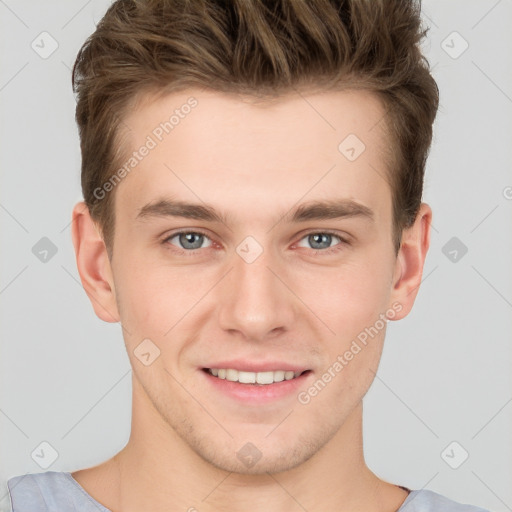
[445, 374]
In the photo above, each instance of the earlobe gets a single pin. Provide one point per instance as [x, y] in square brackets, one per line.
[410, 261]
[93, 264]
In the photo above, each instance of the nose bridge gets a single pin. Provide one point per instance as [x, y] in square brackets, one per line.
[253, 300]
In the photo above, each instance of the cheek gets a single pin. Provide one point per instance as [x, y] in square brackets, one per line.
[154, 297]
[157, 300]
[147, 296]
[348, 298]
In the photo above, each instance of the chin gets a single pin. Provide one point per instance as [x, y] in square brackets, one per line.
[256, 462]
[259, 455]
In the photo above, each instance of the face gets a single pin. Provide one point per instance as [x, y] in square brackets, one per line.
[255, 238]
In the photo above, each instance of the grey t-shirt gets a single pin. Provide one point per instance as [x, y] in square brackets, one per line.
[54, 491]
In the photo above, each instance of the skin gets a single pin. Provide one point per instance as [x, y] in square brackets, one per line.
[254, 162]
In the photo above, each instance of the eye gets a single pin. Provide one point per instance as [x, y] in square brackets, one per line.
[322, 241]
[188, 240]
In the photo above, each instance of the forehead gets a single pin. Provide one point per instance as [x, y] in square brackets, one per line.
[217, 147]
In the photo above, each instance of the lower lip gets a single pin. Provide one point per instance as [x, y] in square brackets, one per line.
[257, 393]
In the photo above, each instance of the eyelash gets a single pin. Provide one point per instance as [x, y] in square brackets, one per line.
[194, 252]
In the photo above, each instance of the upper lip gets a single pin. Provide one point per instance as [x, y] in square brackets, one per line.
[253, 366]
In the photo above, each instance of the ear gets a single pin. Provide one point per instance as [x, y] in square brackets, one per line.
[409, 262]
[93, 264]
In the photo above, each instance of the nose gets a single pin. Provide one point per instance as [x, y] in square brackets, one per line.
[254, 299]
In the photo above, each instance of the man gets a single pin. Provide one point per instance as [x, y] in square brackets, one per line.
[252, 174]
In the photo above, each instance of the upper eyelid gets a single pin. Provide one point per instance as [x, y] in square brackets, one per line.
[186, 232]
[342, 238]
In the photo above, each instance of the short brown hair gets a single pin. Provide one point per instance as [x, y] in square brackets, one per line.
[260, 48]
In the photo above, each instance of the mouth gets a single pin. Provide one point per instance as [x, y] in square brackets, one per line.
[264, 378]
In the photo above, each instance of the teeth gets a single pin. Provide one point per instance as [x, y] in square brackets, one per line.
[252, 377]
[246, 377]
[279, 376]
[266, 377]
[231, 374]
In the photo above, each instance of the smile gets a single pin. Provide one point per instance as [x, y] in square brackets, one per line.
[262, 378]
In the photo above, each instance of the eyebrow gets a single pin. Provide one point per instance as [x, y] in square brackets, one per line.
[313, 210]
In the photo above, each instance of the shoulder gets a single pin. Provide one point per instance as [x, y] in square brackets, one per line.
[51, 491]
[425, 500]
